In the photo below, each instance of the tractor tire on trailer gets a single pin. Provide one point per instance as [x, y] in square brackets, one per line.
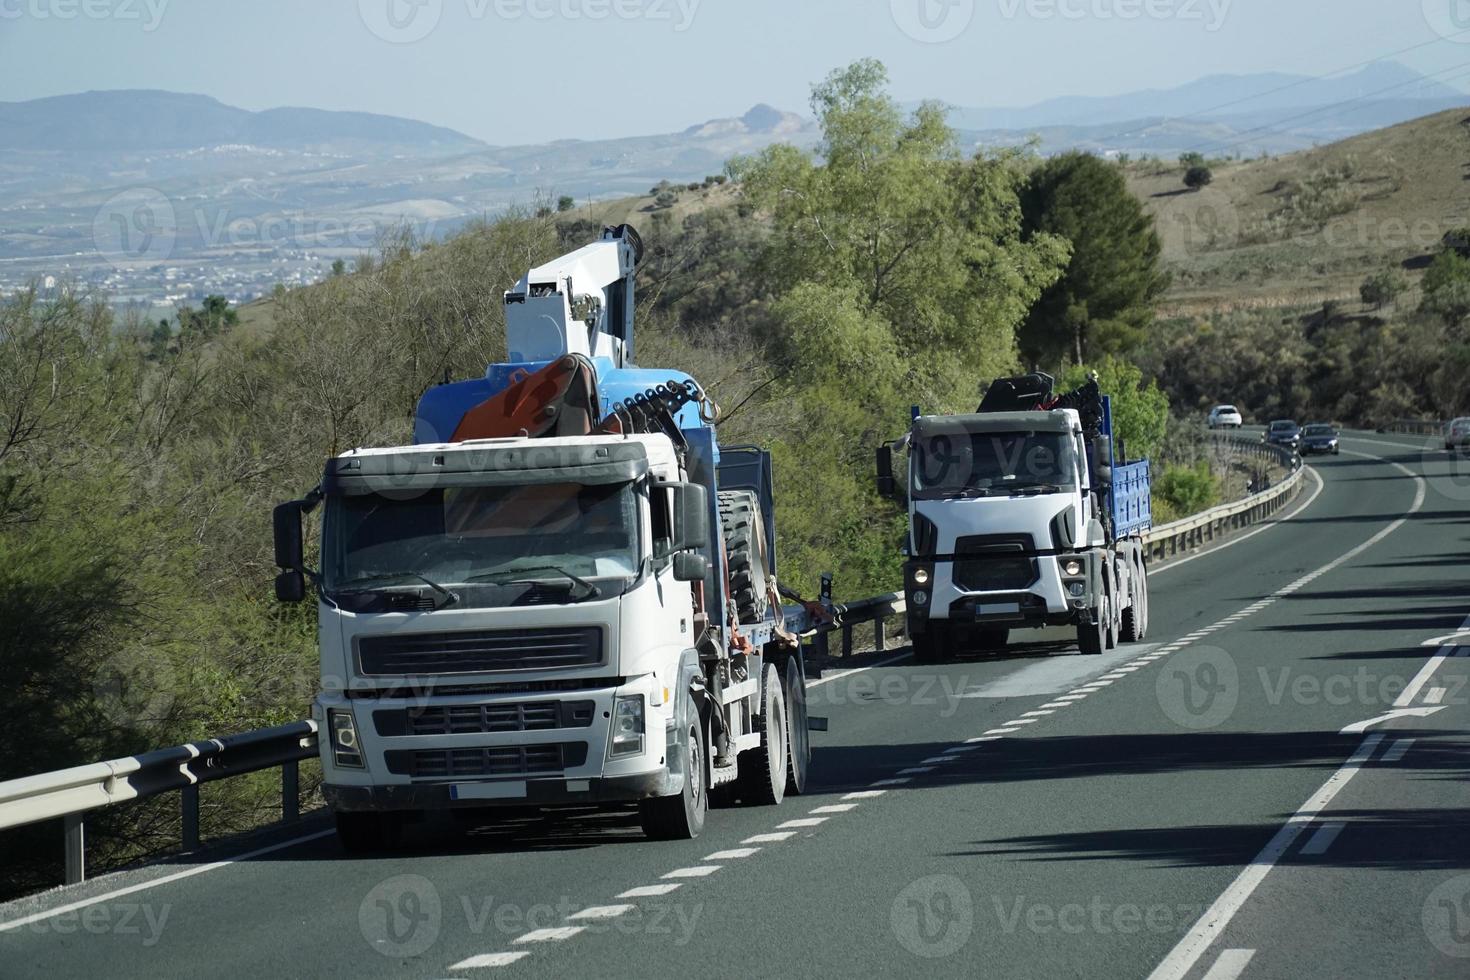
[681, 817]
[763, 769]
[745, 549]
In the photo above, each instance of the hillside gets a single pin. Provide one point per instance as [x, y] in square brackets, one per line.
[1312, 225]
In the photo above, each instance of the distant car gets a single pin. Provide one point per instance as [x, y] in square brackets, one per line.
[1318, 439]
[1283, 432]
[1225, 417]
[1457, 435]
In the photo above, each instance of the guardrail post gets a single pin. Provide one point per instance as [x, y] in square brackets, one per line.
[290, 791]
[189, 803]
[74, 828]
[847, 639]
[880, 636]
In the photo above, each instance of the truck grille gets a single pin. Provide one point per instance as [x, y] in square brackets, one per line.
[479, 651]
[985, 563]
[500, 760]
[479, 719]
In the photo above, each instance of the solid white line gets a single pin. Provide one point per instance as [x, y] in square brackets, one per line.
[602, 912]
[553, 935]
[698, 871]
[1230, 965]
[767, 839]
[1417, 684]
[834, 808]
[489, 959]
[1323, 838]
[838, 675]
[1170, 566]
[733, 854]
[1434, 695]
[1213, 923]
[647, 891]
[801, 823]
[1398, 750]
[154, 883]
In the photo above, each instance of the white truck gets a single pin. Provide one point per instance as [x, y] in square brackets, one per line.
[563, 594]
[1021, 515]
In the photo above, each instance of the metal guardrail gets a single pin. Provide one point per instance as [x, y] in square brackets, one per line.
[71, 793]
[1415, 427]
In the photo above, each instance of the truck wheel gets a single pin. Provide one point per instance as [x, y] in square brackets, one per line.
[931, 646]
[763, 769]
[1092, 639]
[681, 817]
[1111, 637]
[1135, 616]
[740, 520]
[992, 640]
[799, 739]
[368, 832]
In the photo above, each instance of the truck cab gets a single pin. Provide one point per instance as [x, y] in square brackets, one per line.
[1019, 519]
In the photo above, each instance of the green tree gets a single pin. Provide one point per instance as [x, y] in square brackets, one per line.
[566, 202]
[1104, 301]
[1381, 289]
[1447, 288]
[1140, 411]
[213, 317]
[1196, 178]
[339, 267]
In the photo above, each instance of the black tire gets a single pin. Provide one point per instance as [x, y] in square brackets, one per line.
[799, 737]
[1111, 639]
[368, 832]
[1135, 615]
[763, 769]
[992, 640]
[681, 817]
[1091, 638]
[740, 520]
[931, 646]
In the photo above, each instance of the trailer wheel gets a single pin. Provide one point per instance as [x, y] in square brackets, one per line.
[799, 739]
[681, 817]
[740, 520]
[368, 832]
[763, 769]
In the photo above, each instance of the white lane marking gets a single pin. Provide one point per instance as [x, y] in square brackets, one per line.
[801, 822]
[1420, 679]
[733, 854]
[1217, 917]
[602, 912]
[1054, 705]
[865, 794]
[1116, 675]
[1230, 965]
[1070, 698]
[957, 750]
[1359, 727]
[935, 760]
[1000, 731]
[553, 935]
[698, 871]
[839, 674]
[1095, 686]
[1232, 542]
[1434, 695]
[1398, 750]
[915, 770]
[894, 781]
[1449, 639]
[984, 738]
[770, 838]
[1021, 721]
[1038, 714]
[485, 960]
[154, 883]
[647, 891]
[834, 808]
[1323, 838]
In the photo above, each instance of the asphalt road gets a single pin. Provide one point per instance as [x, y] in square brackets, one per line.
[1208, 803]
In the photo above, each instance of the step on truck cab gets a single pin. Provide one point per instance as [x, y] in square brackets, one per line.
[1021, 515]
[563, 594]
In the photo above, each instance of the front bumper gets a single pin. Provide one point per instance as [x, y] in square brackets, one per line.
[538, 792]
[1044, 601]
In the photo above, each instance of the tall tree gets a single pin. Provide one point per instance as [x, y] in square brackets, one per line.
[1103, 303]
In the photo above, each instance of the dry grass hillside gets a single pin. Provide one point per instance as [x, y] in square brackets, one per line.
[1310, 226]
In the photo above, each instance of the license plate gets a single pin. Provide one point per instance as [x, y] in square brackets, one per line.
[515, 790]
[998, 609]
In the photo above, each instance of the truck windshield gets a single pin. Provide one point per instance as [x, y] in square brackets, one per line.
[494, 546]
[986, 463]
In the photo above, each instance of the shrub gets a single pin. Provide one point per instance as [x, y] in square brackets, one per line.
[1197, 177]
[1181, 491]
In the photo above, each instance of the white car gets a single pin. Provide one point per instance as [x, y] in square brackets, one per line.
[1225, 417]
[1457, 435]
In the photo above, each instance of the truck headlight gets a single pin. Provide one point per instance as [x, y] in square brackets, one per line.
[1072, 567]
[1077, 589]
[921, 598]
[627, 725]
[346, 749]
[921, 576]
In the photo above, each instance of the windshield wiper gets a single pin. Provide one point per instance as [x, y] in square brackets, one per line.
[964, 493]
[1030, 489]
[517, 577]
[450, 598]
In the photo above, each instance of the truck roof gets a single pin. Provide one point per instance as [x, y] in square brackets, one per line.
[1059, 420]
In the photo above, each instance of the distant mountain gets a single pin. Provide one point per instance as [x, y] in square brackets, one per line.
[1243, 98]
[760, 120]
[144, 121]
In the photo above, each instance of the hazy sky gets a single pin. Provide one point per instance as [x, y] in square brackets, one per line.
[516, 71]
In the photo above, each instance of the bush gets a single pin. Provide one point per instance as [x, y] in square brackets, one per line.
[1197, 177]
[1379, 290]
[666, 199]
[1181, 491]
[566, 202]
[1191, 160]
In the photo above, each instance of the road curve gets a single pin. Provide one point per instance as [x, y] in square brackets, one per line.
[1190, 806]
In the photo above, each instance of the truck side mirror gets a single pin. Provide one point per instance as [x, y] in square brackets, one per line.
[690, 567]
[287, 526]
[887, 485]
[691, 516]
[291, 586]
